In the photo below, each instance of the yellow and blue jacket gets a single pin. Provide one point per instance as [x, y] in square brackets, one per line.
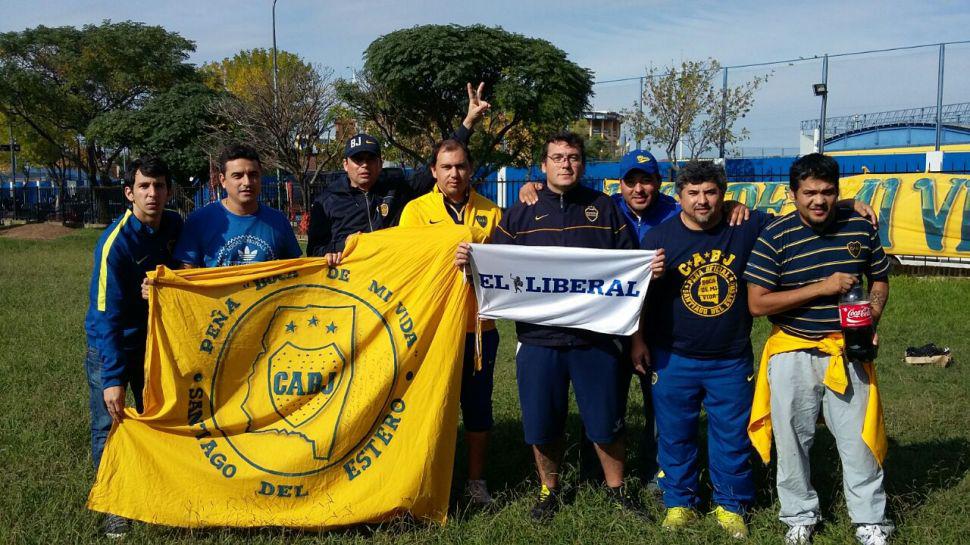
[117, 319]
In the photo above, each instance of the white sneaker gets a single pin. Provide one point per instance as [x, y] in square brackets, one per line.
[873, 534]
[477, 492]
[799, 534]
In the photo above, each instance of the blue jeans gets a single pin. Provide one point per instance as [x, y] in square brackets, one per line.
[100, 419]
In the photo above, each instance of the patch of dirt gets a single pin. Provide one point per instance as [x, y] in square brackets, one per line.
[36, 231]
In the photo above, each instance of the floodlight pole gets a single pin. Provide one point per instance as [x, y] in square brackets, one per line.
[276, 106]
[640, 102]
[825, 97]
[939, 99]
[13, 156]
[724, 91]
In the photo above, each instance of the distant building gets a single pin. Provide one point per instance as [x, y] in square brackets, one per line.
[604, 124]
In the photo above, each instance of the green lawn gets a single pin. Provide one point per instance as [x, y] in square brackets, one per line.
[45, 460]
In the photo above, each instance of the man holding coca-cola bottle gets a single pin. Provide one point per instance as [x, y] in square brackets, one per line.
[804, 266]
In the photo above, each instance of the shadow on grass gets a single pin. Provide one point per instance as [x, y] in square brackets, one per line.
[914, 472]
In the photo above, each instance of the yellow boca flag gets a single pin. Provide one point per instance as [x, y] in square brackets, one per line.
[294, 394]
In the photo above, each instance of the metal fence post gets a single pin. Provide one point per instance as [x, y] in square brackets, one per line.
[939, 99]
[640, 102]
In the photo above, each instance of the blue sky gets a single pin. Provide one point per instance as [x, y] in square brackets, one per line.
[615, 39]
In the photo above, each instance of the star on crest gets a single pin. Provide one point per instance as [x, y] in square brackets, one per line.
[313, 321]
[291, 327]
[332, 328]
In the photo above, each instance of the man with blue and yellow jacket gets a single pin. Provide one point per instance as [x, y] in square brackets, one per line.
[117, 319]
[453, 200]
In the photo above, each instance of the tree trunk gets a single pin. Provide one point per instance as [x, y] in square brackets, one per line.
[98, 196]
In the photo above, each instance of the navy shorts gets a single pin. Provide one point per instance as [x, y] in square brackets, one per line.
[476, 386]
[544, 374]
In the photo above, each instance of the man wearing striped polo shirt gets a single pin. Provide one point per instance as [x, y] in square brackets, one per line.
[800, 265]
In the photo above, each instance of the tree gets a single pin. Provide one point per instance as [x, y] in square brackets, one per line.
[291, 128]
[172, 125]
[412, 90]
[38, 151]
[686, 105]
[65, 78]
[60, 80]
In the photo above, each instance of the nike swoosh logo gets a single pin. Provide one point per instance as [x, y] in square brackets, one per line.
[434, 222]
[139, 262]
[540, 217]
[751, 376]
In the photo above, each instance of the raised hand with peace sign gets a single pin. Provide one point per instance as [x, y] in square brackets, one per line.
[476, 106]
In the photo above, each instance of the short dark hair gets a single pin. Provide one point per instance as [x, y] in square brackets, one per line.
[449, 144]
[149, 165]
[698, 172]
[237, 151]
[569, 138]
[813, 165]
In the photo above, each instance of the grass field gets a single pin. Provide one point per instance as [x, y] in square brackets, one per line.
[45, 452]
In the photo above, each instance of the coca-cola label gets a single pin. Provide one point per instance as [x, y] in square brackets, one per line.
[855, 314]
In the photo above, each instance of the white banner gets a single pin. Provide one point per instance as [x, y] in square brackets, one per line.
[585, 288]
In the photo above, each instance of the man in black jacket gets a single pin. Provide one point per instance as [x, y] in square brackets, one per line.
[363, 202]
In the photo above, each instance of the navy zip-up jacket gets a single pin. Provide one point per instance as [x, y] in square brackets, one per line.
[117, 318]
[342, 210]
[579, 218]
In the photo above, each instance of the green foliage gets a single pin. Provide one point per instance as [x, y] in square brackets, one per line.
[243, 73]
[34, 149]
[60, 80]
[412, 89]
[45, 450]
[171, 124]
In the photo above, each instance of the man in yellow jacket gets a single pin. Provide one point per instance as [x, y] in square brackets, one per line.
[454, 201]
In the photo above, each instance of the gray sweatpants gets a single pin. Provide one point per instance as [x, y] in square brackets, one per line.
[797, 393]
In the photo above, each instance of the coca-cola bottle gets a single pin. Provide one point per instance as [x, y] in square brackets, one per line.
[855, 313]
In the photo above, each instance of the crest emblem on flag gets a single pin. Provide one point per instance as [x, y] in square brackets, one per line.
[482, 221]
[302, 382]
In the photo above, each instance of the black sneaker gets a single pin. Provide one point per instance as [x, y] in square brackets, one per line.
[115, 526]
[548, 504]
[624, 502]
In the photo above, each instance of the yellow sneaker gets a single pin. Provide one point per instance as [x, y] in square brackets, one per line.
[733, 523]
[678, 517]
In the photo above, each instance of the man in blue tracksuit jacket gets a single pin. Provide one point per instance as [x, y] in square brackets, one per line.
[549, 359]
[643, 206]
[117, 318]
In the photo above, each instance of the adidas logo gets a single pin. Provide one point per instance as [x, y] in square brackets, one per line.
[246, 255]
